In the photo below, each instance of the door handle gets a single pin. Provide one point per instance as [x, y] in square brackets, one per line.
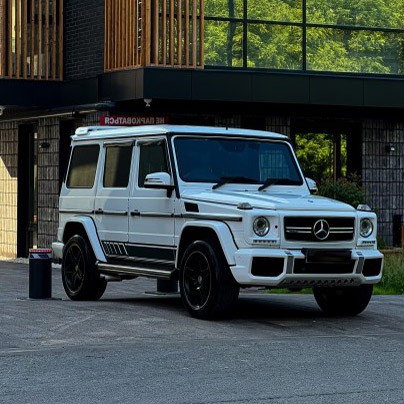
[99, 211]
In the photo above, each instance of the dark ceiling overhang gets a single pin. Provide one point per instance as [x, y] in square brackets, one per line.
[208, 86]
[29, 93]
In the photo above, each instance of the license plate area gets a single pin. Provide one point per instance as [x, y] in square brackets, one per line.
[327, 256]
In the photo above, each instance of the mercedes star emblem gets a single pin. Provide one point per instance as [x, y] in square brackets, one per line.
[321, 229]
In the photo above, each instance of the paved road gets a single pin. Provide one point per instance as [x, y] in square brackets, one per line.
[136, 347]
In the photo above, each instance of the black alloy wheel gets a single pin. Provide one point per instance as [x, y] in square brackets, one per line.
[197, 280]
[207, 286]
[80, 276]
[345, 301]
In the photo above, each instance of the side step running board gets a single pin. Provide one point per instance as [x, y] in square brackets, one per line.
[124, 270]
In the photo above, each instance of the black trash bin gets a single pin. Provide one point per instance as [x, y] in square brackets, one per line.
[40, 273]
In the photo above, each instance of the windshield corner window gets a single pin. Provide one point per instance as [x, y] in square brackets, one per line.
[153, 159]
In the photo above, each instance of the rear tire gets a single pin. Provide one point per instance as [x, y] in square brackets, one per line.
[207, 286]
[348, 301]
[80, 276]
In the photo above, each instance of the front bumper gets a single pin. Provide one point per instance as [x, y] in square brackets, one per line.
[57, 248]
[307, 268]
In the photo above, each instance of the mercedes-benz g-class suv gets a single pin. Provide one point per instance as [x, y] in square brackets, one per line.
[214, 208]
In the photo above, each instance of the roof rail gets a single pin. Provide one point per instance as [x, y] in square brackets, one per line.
[85, 130]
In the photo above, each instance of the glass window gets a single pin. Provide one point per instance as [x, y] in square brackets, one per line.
[83, 166]
[248, 161]
[365, 13]
[117, 166]
[360, 51]
[274, 46]
[224, 8]
[277, 33]
[153, 159]
[223, 43]
[275, 10]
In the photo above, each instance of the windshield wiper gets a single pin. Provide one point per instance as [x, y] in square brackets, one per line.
[227, 180]
[279, 181]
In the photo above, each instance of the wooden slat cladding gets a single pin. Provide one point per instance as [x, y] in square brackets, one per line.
[141, 33]
[3, 25]
[31, 39]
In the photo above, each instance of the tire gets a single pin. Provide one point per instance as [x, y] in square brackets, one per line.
[348, 301]
[80, 276]
[207, 286]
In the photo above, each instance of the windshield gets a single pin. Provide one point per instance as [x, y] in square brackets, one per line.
[222, 161]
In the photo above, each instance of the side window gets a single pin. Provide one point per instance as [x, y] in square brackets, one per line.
[153, 158]
[83, 166]
[117, 166]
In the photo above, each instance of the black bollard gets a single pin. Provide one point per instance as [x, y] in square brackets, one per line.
[40, 273]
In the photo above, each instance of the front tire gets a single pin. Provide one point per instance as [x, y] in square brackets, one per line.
[348, 301]
[207, 286]
[80, 276]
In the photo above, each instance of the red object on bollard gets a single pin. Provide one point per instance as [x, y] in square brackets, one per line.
[40, 273]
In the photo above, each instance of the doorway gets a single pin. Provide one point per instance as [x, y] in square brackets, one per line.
[328, 150]
[323, 157]
[27, 207]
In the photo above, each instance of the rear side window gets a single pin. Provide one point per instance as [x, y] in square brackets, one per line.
[117, 166]
[83, 166]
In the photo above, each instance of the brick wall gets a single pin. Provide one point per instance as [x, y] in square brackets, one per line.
[48, 176]
[48, 181]
[83, 38]
[8, 189]
[383, 172]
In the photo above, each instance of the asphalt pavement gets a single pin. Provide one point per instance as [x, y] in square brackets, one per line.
[135, 346]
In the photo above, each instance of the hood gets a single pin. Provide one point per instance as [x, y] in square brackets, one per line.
[266, 200]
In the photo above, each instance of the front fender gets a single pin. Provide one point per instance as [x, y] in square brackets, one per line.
[222, 232]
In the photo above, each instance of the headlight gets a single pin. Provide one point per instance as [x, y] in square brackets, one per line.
[366, 228]
[261, 226]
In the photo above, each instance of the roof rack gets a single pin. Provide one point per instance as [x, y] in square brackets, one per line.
[85, 130]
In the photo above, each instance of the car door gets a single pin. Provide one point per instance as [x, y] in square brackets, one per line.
[151, 220]
[112, 198]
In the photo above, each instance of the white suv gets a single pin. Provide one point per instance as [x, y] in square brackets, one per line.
[215, 208]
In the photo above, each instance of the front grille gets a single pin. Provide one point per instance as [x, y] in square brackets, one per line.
[328, 229]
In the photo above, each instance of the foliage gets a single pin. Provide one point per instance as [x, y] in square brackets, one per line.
[315, 154]
[279, 46]
[392, 282]
[345, 189]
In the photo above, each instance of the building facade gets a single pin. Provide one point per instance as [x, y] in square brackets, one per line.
[289, 66]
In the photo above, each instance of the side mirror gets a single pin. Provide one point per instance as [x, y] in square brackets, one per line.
[312, 185]
[159, 180]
